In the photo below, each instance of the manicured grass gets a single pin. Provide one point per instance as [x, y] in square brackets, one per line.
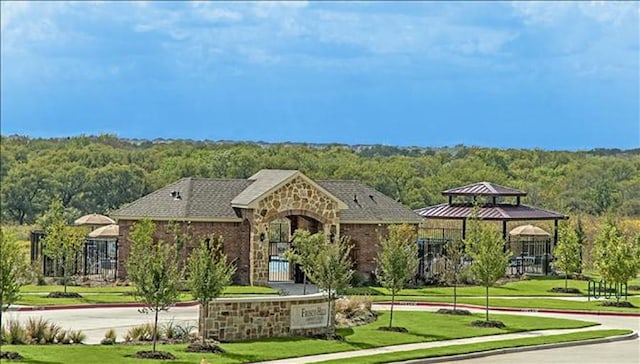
[479, 347]
[536, 286]
[524, 303]
[423, 326]
[115, 294]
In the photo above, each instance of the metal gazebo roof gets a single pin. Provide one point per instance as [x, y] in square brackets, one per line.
[483, 189]
[489, 212]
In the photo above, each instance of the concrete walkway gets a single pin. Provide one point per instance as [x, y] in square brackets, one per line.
[605, 323]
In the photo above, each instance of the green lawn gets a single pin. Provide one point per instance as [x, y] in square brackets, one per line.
[423, 326]
[478, 347]
[112, 294]
[536, 286]
[524, 303]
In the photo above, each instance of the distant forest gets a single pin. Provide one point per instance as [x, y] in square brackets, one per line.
[101, 173]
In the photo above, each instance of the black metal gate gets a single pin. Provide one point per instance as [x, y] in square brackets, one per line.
[279, 266]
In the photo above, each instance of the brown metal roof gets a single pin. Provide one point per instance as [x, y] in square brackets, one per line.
[489, 212]
[483, 189]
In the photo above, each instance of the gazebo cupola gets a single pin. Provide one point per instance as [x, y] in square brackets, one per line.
[493, 193]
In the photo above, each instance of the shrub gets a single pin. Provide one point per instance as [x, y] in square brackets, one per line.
[173, 331]
[36, 329]
[109, 337]
[77, 337]
[51, 333]
[61, 336]
[140, 333]
[15, 334]
[358, 280]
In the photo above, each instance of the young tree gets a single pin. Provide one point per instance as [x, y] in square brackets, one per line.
[303, 251]
[330, 269]
[485, 245]
[567, 251]
[208, 273]
[616, 256]
[152, 267]
[61, 242]
[397, 260]
[13, 266]
[454, 263]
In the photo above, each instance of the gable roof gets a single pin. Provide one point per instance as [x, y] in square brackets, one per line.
[483, 189]
[268, 180]
[208, 199]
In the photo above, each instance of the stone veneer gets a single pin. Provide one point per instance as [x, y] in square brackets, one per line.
[244, 318]
[296, 197]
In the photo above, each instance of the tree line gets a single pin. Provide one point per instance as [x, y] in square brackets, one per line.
[101, 173]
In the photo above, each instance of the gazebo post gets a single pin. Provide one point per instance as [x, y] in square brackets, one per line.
[464, 229]
[504, 235]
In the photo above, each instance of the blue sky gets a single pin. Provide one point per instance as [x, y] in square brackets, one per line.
[500, 74]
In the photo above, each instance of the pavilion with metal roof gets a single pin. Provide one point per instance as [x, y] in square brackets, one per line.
[493, 203]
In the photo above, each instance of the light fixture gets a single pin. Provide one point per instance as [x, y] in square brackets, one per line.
[262, 236]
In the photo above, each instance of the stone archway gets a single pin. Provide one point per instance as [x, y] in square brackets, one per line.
[296, 198]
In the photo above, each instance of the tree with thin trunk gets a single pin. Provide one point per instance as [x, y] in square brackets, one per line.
[152, 267]
[13, 267]
[616, 257]
[61, 242]
[485, 246]
[567, 252]
[330, 269]
[454, 264]
[397, 260]
[303, 250]
[209, 273]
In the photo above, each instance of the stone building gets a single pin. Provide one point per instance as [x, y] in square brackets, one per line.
[256, 218]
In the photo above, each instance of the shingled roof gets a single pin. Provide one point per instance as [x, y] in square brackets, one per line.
[211, 199]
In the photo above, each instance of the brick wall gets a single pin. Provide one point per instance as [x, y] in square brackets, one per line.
[235, 235]
[234, 319]
[365, 239]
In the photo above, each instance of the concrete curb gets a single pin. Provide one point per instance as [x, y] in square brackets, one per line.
[94, 305]
[508, 309]
[440, 359]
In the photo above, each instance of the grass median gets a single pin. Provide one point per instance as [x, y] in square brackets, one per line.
[480, 347]
[523, 303]
[422, 326]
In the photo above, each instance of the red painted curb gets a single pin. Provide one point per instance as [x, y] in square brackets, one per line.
[543, 310]
[97, 305]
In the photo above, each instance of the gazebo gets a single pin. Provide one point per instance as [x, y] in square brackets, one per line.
[493, 204]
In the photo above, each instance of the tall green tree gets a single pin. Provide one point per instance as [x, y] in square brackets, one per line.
[330, 269]
[397, 260]
[485, 246]
[616, 256]
[454, 264]
[567, 251]
[209, 273]
[12, 270]
[152, 267]
[61, 242]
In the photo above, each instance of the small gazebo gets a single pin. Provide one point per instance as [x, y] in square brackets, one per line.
[493, 204]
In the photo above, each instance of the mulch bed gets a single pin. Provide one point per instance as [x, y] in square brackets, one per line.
[333, 336]
[64, 295]
[448, 311]
[158, 355]
[393, 329]
[490, 323]
[626, 304]
[565, 290]
[10, 355]
[207, 347]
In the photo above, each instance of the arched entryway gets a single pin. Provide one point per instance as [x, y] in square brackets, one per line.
[281, 232]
